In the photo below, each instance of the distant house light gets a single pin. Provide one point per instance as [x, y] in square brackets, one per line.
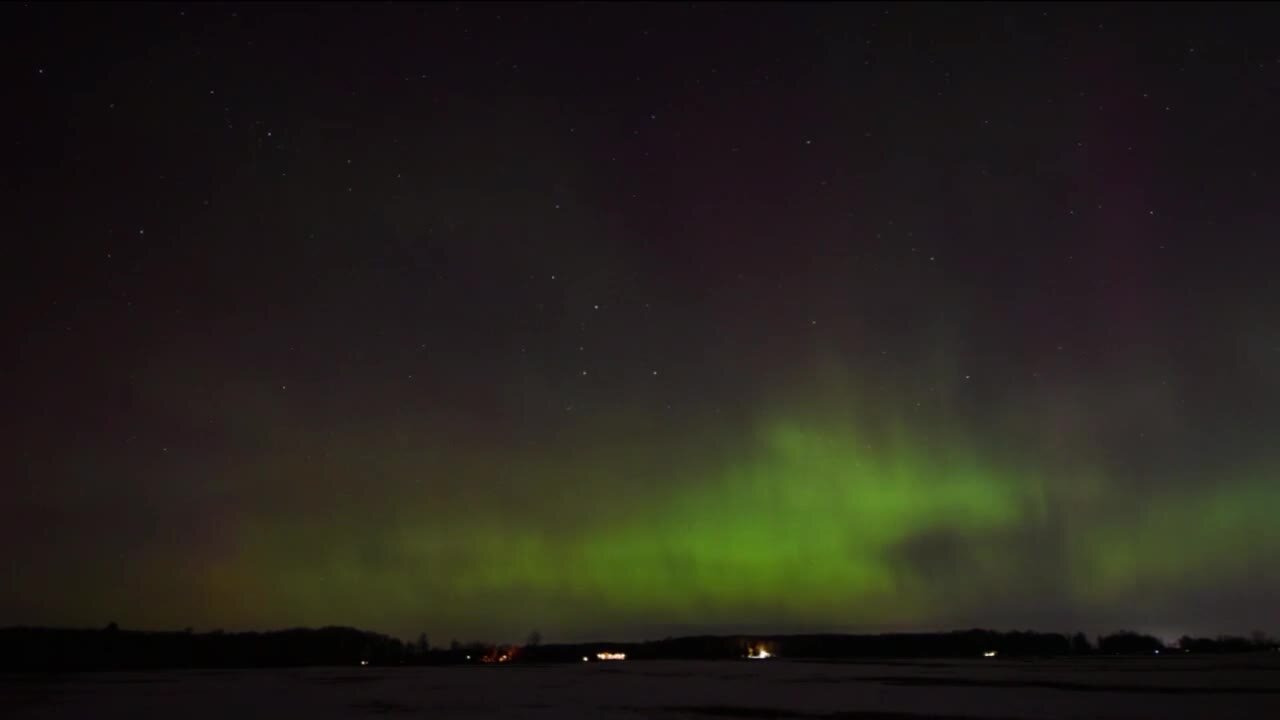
[364, 662]
[611, 656]
[989, 653]
[586, 659]
[759, 653]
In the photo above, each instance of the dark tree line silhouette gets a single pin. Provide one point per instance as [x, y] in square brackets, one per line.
[1258, 640]
[116, 649]
[54, 649]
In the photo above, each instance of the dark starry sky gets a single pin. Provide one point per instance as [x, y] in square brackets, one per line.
[602, 318]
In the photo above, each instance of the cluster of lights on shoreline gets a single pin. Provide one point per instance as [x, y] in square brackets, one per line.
[498, 655]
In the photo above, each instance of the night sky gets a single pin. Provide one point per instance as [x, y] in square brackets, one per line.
[632, 320]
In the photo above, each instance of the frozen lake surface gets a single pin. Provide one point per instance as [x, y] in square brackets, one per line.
[1166, 688]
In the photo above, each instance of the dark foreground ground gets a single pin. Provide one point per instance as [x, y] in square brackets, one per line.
[1159, 687]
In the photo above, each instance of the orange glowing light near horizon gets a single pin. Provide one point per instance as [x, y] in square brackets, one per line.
[499, 655]
[758, 652]
[611, 656]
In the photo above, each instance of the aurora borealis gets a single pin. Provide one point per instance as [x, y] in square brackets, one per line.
[626, 321]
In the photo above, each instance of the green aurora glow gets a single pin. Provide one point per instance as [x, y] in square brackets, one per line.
[824, 520]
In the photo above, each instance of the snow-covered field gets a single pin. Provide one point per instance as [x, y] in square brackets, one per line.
[1165, 688]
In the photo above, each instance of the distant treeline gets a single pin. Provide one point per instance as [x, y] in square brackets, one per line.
[115, 649]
